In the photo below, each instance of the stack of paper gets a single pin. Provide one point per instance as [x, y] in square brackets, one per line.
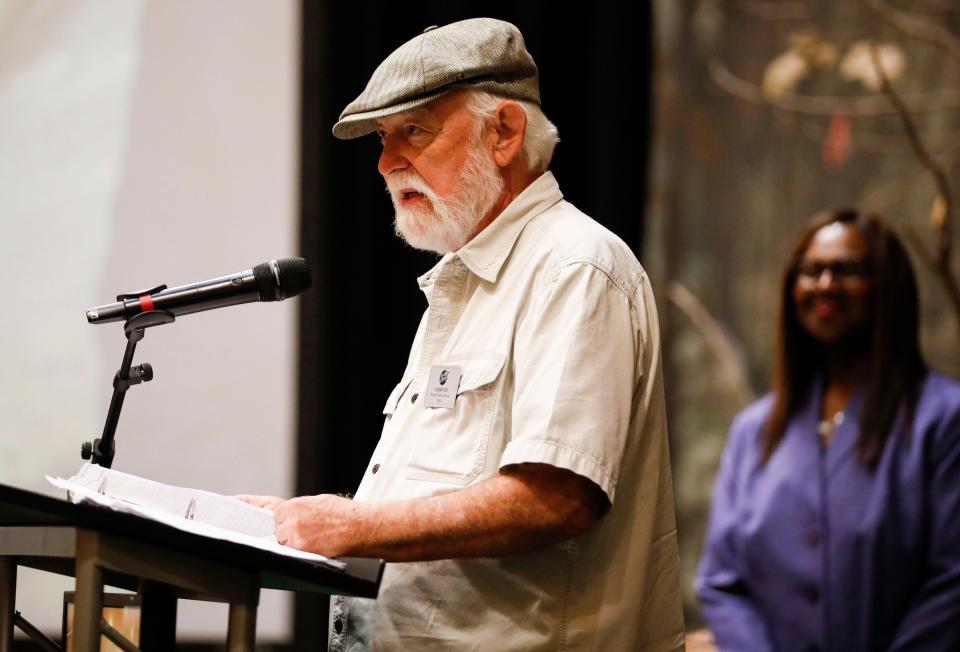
[191, 510]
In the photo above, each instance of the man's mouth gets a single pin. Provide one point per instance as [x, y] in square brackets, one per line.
[407, 195]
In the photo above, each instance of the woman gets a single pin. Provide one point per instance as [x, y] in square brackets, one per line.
[835, 522]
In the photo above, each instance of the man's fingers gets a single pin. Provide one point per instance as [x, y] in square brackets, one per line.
[281, 535]
[266, 502]
[285, 533]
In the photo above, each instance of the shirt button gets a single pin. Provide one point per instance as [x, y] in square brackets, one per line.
[813, 538]
[413, 398]
[811, 593]
[376, 467]
[338, 625]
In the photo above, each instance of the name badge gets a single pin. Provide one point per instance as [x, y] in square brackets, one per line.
[442, 386]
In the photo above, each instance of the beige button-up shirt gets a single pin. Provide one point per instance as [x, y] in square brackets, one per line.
[551, 320]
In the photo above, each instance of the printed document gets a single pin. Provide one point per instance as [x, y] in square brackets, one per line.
[190, 510]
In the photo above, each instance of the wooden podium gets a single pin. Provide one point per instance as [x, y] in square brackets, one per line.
[100, 547]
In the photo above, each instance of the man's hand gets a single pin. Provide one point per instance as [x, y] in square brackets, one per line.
[526, 507]
[324, 524]
[266, 502]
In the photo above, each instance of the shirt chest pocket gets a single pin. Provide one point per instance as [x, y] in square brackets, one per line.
[451, 444]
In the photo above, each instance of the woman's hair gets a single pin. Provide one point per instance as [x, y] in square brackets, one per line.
[896, 367]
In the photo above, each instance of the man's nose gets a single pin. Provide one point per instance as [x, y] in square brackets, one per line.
[392, 157]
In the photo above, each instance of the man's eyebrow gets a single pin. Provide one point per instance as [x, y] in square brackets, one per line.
[419, 113]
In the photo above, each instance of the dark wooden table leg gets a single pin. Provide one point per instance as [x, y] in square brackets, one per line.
[88, 606]
[158, 617]
[8, 601]
[242, 627]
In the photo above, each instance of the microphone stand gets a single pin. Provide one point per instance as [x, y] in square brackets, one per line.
[102, 450]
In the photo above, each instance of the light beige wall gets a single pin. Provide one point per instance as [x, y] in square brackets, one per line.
[146, 142]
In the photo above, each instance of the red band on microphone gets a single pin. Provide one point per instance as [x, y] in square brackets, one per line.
[146, 302]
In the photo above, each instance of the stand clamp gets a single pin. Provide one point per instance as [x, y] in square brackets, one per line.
[102, 450]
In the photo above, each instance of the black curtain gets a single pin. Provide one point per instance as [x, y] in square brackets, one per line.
[358, 321]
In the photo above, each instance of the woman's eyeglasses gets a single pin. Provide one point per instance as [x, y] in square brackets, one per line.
[851, 270]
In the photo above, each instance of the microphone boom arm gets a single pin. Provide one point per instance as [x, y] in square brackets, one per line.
[102, 450]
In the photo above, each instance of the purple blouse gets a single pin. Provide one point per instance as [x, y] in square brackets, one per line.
[814, 552]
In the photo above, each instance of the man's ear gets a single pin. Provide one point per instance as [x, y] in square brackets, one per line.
[509, 125]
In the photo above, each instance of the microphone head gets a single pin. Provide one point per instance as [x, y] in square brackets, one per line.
[280, 279]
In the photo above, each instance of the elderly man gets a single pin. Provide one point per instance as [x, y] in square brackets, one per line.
[522, 481]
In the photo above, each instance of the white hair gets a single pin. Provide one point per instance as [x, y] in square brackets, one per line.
[447, 223]
[540, 138]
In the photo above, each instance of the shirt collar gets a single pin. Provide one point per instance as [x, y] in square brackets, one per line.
[486, 253]
[425, 281]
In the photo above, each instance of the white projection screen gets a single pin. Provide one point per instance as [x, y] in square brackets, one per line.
[147, 142]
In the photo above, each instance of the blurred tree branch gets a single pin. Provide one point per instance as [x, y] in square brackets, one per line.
[731, 366]
[941, 217]
[918, 28]
[825, 105]
[880, 143]
[777, 9]
[934, 7]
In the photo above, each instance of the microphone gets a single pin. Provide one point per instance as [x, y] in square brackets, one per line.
[275, 280]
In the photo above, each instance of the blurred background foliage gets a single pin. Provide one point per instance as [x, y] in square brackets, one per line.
[768, 111]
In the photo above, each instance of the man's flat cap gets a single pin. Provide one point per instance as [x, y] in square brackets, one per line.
[481, 53]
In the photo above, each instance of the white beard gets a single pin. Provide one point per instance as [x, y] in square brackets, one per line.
[447, 224]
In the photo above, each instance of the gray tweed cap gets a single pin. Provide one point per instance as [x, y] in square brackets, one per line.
[481, 53]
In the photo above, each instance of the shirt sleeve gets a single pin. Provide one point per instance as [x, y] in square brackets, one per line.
[933, 621]
[725, 597]
[575, 372]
